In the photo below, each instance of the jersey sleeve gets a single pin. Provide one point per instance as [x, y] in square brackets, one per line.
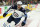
[25, 14]
[12, 7]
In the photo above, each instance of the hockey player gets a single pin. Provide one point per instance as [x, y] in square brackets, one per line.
[17, 20]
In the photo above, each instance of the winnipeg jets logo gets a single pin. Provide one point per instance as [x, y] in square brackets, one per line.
[15, 14]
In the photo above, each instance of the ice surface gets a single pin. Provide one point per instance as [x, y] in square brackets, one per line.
[35, 17]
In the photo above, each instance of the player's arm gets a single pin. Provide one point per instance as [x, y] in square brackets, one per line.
[25, 14]
[7, 11]
[23, 17]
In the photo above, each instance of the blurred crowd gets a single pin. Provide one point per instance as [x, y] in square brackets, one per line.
[10, 2]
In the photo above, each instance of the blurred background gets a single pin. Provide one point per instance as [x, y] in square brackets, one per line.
[10, 2]
[29, 5]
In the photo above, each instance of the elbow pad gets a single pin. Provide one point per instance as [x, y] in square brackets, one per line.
[4, 14]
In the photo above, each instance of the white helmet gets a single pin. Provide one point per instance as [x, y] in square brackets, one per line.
[19, 2]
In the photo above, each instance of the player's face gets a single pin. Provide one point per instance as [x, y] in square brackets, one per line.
[18, 6]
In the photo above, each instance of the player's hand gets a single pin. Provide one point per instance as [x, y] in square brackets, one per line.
[4, 14]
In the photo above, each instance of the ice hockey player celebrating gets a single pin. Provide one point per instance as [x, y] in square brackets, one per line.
[17, 17]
